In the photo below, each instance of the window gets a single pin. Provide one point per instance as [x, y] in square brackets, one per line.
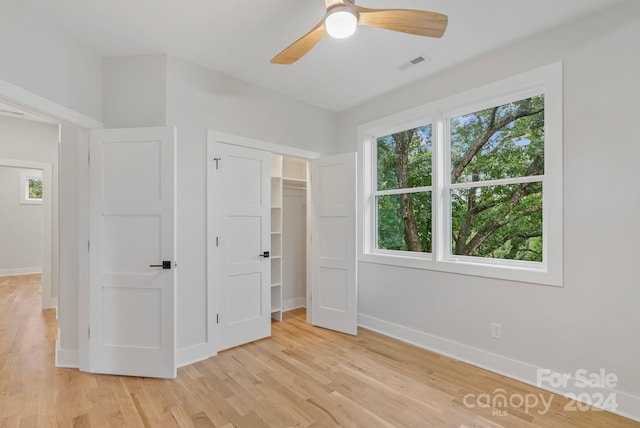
[403, 195]
[31, 187]
[496, 159]
[471, 184]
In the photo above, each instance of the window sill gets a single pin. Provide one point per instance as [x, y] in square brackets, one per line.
[31, 202]
[516, 271]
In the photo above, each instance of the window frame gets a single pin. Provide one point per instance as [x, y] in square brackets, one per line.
[398, 127]
[545, 80]
[25, 177]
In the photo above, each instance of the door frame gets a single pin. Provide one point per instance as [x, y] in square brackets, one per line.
[66, 117]
[40, 105]
[212, 284]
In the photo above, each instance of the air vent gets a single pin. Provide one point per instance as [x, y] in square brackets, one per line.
[411, 63]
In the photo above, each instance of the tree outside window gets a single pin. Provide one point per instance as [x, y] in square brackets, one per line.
[404, 166]
[35, 188]
[31, 187]
[495, 198]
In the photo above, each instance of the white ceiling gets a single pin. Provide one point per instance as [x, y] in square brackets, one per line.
[239, 37]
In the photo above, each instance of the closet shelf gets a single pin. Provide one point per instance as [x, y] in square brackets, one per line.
[296, 183]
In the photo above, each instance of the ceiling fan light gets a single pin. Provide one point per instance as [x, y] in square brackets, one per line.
[341, 23]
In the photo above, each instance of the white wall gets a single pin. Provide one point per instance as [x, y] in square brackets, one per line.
[26, 140]
[202, 98]
[41, 58]
[592, 322]
[20, 226]
[134, 91]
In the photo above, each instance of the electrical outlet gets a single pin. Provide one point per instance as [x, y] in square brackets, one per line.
[496, 330]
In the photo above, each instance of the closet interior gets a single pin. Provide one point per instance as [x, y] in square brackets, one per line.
[288, 234]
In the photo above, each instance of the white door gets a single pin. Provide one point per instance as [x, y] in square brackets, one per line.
[333, 243]
[241, 240]
[132, 215]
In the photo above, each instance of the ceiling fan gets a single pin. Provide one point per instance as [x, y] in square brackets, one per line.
[343, 16]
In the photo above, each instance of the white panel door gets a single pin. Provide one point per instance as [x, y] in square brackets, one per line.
[333, 243]
[241, 180]
[132, 215]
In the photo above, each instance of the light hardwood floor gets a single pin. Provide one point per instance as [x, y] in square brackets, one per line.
[301, 376]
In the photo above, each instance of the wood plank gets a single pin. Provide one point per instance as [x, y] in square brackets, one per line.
[301, 376]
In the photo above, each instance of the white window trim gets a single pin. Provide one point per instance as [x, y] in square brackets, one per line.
[25, 176]
[547, 80]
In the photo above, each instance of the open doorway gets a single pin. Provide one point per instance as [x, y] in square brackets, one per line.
[70, 213]
[289, 234]
[29, 194]
[247, 246]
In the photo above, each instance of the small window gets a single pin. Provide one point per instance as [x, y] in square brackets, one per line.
[31, 187]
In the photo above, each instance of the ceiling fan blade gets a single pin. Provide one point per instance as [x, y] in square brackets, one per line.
[329, 3]
[300, 47]
[421, 23]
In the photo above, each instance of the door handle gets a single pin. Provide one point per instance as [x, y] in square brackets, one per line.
[265, 255]
[166, 264]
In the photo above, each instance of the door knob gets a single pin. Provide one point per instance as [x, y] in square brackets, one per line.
[166, 264]
[265, 255]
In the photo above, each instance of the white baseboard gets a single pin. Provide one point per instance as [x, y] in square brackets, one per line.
[295, 303]
[20, 271]
[66, 358]
[51, 303]
[194, 354]
[627, 405]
